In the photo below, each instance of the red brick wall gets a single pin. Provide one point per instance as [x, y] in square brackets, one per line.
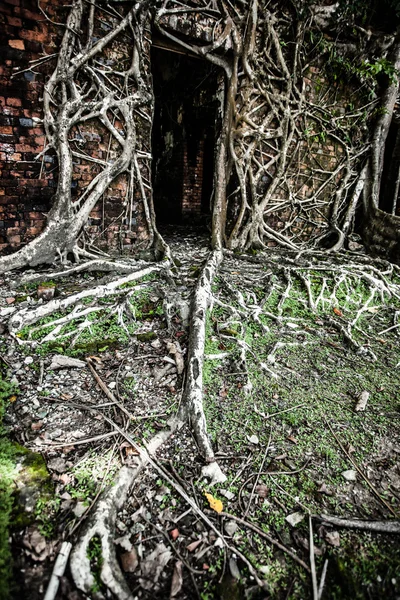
[27, 185]
[192, 181]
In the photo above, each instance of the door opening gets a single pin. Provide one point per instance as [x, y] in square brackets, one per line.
[185, 128]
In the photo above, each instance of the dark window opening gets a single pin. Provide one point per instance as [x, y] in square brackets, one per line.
[185, 130]
[389, 200]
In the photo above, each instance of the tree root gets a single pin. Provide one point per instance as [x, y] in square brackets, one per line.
[104, 265]
[27, 316]
[193, 394]
[101, 523]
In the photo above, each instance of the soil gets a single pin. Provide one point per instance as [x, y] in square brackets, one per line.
[282, 381]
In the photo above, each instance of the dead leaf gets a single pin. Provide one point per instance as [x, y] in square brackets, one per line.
[96, 359]
[253, 439]
[57, 464]
[338, 312]
[205, 567]
[68, 449]
[130, 561]
[12, 398]
[65, 478]
[153, 565]
[234, 569]
[333, 538]
[193, 545]
[292, 439]
[174, 533]
[214, 503]
[125, 542]
[262, 490]
[176, 351]
[37, 426]
[177, 579]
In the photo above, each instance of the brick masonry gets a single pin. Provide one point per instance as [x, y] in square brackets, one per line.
[27, 185]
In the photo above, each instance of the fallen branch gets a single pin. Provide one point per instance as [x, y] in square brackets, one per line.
[376, 526]
[312, 560]
[58, 571]
[270, 539]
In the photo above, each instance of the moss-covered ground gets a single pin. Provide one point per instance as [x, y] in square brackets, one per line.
[290, 347]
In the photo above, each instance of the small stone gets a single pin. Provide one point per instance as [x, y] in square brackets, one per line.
[57, 464]
[350, 475]
[213, 471]
[79, 510]
[28, 360]
[355, 247]
[60, 361]
[112, 385]
[230, 528]
[253, 439]
[10, 300]
[53, 435]
[295, 518]
[227, 494]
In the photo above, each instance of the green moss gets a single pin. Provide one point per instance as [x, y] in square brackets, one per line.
[7, 473]
[146, 337]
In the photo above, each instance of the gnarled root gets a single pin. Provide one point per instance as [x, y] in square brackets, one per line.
[101, 524]
[193, 395]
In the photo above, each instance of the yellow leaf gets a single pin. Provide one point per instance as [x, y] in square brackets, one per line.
[214, 503]
[12, 398]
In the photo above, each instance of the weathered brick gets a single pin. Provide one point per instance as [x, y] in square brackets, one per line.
[14, 102]
[15, 21]
[17, 44]
[35, 36]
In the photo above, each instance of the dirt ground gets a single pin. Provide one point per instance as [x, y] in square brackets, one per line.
[301, 395]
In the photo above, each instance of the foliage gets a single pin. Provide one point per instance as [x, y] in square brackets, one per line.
[7, 470]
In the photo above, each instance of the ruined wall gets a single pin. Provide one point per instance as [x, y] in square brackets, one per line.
[27, 185]
[28, 43]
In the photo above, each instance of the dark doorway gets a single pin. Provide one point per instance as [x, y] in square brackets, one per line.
[185, 128]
